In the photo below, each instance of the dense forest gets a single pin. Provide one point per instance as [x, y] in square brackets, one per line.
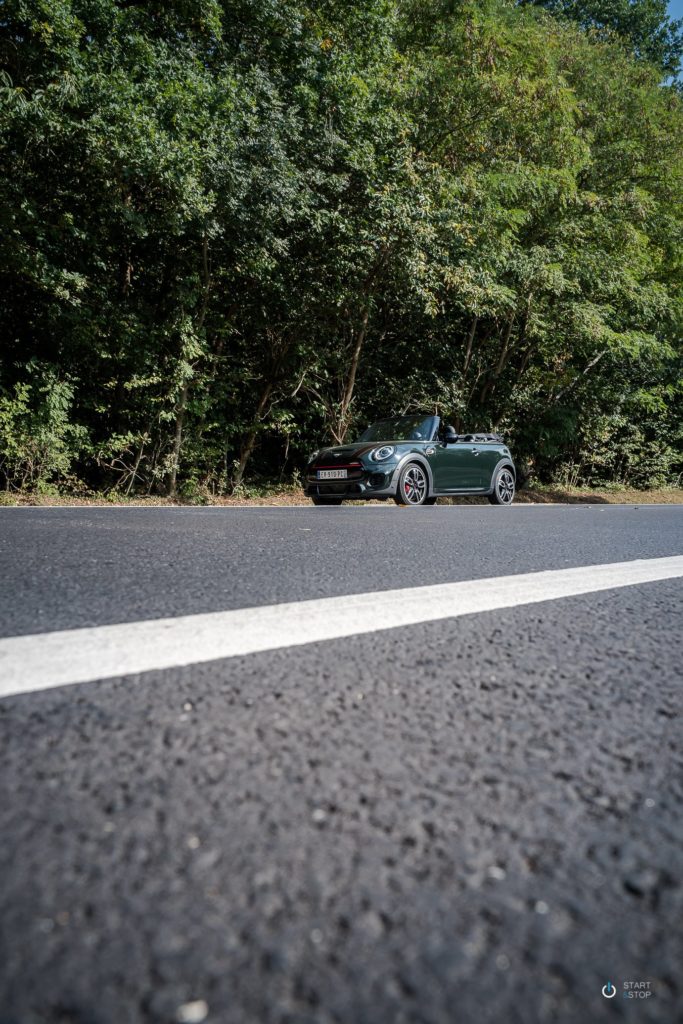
[234, 229]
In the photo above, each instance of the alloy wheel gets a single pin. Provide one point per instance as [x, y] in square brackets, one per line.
[414, 485]
[505, 487]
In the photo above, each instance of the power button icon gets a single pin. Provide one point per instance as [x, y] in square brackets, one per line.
[609, 990]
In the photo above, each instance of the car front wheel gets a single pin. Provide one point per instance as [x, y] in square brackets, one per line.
[413, 486]
[503, 488]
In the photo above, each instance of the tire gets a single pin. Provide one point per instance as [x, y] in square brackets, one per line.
[326, 500]
[413, 485]
[503, 487]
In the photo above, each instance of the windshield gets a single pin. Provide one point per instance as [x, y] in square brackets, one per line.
[399, 428]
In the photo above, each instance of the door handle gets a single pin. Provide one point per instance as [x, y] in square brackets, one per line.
[475, 451]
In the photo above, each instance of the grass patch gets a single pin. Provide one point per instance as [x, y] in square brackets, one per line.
[292, 494]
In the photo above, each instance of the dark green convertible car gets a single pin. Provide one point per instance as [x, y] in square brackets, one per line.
[414, 460]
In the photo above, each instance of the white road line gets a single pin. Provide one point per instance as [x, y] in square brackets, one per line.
[45, 660]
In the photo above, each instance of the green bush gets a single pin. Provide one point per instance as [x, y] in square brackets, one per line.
[38, 442]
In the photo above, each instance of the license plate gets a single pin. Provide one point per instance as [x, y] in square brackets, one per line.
[331, 474]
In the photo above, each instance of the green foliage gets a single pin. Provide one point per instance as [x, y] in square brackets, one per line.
[38, 443]
[644, 25]
[229, 228]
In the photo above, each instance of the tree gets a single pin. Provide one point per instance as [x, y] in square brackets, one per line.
[644, 25]
[231, 228]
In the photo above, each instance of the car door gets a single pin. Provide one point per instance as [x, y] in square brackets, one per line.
[455, 467]
[488, 459]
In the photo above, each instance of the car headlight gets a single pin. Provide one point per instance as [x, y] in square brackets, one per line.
[383, 453]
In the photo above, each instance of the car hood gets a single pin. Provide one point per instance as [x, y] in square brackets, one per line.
[342, 452]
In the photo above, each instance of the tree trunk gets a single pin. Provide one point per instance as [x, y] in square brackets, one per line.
[206, 278]
[252, 433]
[470, 342]
[279, 348]
[522, 369]
[126, 262]
[182, 403]
[138, 460]
[177, 440]
[342, 425]
[560, 394]
[500, 365]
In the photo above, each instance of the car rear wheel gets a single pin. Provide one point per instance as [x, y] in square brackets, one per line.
[503, 488]
[325, 500]
[413, 486]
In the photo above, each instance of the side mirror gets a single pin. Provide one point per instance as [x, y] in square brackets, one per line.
[449, 435]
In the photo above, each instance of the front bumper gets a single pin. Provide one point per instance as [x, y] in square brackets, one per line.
[360, 483]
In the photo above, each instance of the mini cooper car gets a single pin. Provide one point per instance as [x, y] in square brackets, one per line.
[414, 460]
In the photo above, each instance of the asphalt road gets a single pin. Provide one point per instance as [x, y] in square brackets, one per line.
[463, 821]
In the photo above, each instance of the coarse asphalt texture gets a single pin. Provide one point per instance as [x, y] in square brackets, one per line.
[471, 820]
